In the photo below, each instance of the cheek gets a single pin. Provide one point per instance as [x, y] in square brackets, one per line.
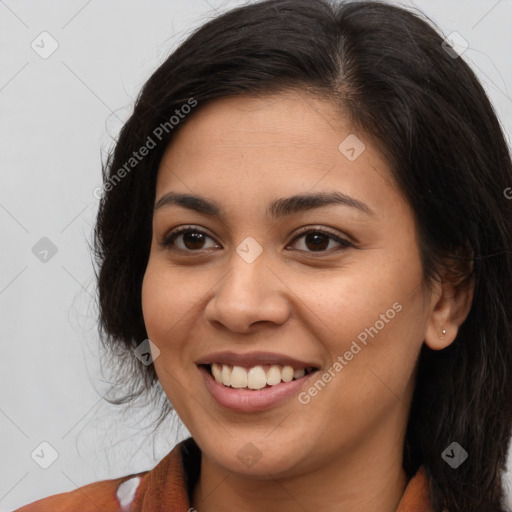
[374, 320]
[162, 310]
[171, 303]
[163, 303]
[372, 361]
[356, 298]
[155, 307]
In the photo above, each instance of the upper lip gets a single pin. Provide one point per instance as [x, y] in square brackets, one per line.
[255, 358]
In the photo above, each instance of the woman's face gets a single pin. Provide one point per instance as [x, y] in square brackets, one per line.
[246, 288]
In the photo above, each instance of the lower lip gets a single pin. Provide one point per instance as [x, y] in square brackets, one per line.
[252, 400]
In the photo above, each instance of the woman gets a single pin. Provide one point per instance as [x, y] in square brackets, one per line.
[306, 216]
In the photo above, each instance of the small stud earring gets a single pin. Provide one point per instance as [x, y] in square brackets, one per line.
[444, 332]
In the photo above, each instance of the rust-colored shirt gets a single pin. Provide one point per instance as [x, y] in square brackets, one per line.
[168, 487]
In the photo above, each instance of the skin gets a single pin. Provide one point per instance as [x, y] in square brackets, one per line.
[342, 451]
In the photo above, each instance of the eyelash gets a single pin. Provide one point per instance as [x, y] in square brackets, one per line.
[168, 241]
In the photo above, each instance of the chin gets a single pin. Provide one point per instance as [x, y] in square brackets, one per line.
[259, 458]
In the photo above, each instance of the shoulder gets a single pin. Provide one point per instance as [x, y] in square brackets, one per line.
[107, 496]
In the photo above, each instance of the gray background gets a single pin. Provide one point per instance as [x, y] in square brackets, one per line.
[58, 115]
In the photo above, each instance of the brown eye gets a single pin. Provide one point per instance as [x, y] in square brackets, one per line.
[193, 240]
[316, 240]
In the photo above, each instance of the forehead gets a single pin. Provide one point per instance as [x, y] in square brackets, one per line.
[249, 146]
[230, 126]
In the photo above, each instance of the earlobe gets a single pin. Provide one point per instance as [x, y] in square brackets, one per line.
[449, 311]
[437, 339]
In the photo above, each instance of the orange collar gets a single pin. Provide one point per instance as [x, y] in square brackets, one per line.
[416, 497]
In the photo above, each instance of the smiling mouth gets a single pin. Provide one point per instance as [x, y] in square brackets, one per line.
[255, 377]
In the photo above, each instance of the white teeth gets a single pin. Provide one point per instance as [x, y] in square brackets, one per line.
[297, 374]
[238, 377]
[255, 377]
[274, 375]
[217, 372]
[287, 373]
[226, 375]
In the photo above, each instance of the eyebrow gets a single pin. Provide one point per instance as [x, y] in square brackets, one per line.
[279, 208]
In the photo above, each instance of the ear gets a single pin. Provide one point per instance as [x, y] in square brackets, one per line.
[451, 303]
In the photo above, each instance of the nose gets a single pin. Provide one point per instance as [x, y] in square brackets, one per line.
[249, 294]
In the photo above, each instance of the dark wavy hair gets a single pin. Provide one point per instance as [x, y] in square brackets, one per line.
[388, 70]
